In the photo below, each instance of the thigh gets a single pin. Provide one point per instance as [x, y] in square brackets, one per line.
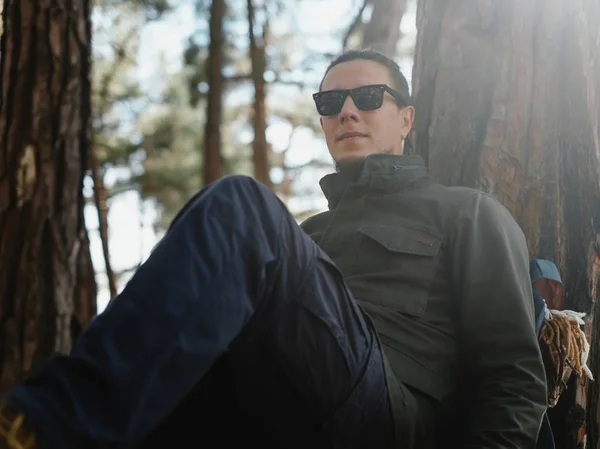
[211, 416]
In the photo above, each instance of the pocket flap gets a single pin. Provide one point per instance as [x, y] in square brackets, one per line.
[402, 239]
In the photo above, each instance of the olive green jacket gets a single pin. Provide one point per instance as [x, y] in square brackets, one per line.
[443, 273]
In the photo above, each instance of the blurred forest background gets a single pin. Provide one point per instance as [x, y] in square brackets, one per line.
[113, 113]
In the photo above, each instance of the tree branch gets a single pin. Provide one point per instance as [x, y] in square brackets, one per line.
[355, 23]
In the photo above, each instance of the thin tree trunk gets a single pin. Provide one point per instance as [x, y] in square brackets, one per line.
[102, 210]
[102, 105]
[260, 147]
[212, 136]
[507, 101]
[383, 30]
[44, 134]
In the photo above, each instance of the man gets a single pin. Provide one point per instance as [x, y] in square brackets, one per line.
[239, 329]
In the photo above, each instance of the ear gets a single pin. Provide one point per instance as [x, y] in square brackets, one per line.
[407, 119]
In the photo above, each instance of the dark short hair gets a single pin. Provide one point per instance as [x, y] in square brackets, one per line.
[400, 83]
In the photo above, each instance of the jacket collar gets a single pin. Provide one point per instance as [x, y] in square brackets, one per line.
[379, 172]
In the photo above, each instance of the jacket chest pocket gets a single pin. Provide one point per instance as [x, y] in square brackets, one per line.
[397, 267]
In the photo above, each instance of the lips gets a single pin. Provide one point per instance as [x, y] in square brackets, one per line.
[350, 134]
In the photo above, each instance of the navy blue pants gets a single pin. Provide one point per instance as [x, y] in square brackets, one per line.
[237, 330]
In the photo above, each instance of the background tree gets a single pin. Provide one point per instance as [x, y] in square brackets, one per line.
[383, 31]
[256, 61]
[117, 102]
[507, 100]
[376, 26]
[45, 130]
[212, 134]
[258, 57]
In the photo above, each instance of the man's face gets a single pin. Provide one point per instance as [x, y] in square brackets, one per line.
[354, 134]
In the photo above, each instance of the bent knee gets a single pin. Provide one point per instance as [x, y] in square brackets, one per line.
[236, 181]
[242, 188]
[232, 198]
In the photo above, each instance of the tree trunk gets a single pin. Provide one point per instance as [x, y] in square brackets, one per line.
[260, 148]
[383, 31]
[102, 106]
[212, 136]
[44, 133]
[507, 102]
[97, 173]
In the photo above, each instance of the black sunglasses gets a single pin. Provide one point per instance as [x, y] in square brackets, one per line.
[366, 98]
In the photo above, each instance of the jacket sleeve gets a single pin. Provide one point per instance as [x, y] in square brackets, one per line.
[501, 362]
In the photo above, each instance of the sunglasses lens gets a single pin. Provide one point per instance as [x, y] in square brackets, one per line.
[330, 102]
[368, 98]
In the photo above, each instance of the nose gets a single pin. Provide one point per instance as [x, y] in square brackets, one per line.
[349, 111]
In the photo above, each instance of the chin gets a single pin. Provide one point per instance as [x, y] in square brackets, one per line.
[353, 152]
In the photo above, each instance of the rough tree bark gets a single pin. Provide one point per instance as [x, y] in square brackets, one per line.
[507, 98]
[213, 168]
[44, 134]
[258, 56]
[383, 30]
